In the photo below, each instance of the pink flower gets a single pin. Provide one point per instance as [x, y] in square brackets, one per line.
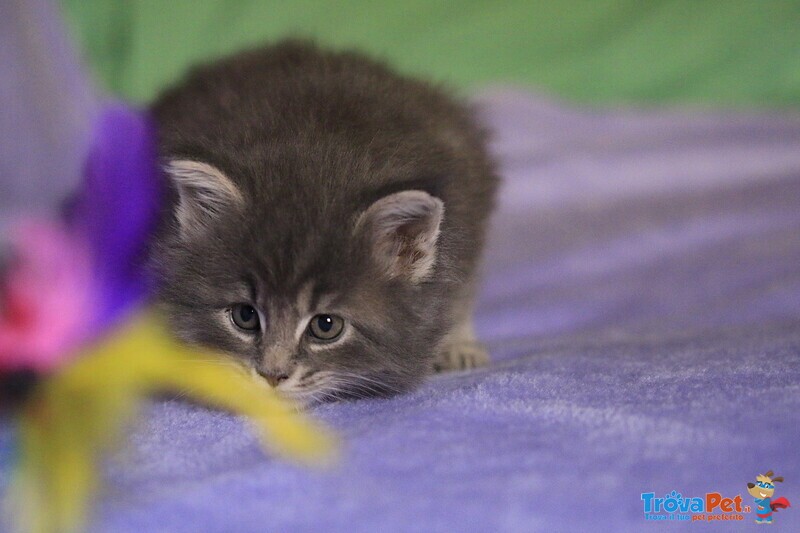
[45, 298]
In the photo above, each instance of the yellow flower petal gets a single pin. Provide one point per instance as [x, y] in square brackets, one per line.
[81, 411]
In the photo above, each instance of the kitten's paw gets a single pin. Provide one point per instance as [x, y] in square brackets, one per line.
[461, 355]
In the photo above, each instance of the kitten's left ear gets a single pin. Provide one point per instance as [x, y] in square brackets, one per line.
[403, 229]
[204, 192]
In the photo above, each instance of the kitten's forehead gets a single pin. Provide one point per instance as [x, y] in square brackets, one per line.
[300, 255]
[308, 299]
[289, 315]
[304, 299]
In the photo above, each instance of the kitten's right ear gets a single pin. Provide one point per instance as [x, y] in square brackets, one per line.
[203, 191]
[403, 229]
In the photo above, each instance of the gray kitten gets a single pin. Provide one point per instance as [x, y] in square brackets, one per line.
[328, 218]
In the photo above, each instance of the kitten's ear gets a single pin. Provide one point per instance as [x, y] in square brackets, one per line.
[204, 192]
[403, 229]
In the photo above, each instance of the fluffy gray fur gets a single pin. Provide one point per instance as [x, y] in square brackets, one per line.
[313, 182]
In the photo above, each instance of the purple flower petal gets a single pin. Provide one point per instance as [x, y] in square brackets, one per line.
[117, 209]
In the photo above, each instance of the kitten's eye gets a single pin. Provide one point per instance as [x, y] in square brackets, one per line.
[245, 317]
[325, 327]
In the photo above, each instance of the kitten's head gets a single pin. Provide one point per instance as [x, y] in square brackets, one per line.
[322, 298]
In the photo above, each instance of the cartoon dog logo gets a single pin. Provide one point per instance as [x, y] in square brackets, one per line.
[762, 490]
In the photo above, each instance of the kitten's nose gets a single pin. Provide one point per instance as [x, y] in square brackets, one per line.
[273, 379]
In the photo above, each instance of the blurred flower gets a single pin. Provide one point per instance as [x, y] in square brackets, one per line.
[71, 280]
[45, 297]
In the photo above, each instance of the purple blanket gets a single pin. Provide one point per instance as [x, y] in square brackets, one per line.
[642, 303]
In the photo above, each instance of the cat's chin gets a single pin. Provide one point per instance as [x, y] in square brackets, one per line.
[305, 397]
[308, 398]
[299, 400]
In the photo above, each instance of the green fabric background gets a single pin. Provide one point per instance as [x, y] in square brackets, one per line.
[723, 52]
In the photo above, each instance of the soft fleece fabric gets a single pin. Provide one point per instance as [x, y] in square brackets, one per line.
[642, 304]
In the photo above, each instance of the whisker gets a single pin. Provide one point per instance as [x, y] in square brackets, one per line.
[330, 385]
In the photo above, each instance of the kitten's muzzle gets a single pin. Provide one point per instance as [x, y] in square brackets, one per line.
[273, 379]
